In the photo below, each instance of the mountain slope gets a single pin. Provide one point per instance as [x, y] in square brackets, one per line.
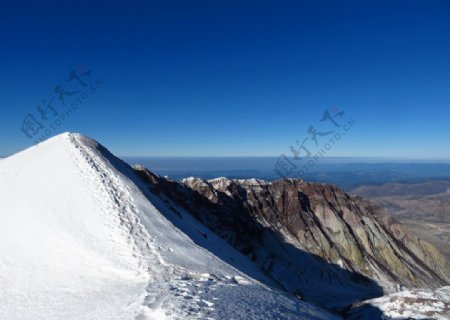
[314, 240]
[79, 239]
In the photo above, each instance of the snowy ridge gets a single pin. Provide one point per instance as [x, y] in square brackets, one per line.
[80, 240]
[121, 201]
[63, 254]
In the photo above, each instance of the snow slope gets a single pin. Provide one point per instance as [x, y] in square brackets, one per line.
[80, 240]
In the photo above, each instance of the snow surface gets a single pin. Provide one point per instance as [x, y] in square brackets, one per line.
[410, 304]
[80, 240]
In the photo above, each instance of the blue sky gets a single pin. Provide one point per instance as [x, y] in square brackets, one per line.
[231, 78]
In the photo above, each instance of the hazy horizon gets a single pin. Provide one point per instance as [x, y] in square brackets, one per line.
[344, 173]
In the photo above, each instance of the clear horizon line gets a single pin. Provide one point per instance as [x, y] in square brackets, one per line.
[305, 158]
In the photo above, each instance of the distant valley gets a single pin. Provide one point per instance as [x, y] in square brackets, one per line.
[423, 207]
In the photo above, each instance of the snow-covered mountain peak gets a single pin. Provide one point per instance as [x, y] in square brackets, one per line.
[61, 141]
[80, 238]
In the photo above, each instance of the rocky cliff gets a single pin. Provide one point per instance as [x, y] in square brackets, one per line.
[315, 240]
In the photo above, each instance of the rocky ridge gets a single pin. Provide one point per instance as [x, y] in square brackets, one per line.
[315, 240]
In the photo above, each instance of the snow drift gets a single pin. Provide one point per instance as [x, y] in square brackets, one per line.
[423, 304]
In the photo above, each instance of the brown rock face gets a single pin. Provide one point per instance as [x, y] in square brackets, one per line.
[315, 240]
